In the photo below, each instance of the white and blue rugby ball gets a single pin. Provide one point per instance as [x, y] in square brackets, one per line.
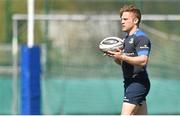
[111, 44]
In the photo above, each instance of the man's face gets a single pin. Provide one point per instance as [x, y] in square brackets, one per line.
[127, 21]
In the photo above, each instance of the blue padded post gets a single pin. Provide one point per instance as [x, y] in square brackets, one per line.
[30, 80]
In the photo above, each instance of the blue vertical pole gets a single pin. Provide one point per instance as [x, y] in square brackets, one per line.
[30, 80]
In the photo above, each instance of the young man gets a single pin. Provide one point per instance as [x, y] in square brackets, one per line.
[134, 59]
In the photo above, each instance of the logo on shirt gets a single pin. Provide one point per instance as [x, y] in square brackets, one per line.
[144, 47]
[129, 54]
[131, 41]
[125, 99]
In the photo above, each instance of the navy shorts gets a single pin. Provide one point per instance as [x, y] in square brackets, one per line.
[136, 90]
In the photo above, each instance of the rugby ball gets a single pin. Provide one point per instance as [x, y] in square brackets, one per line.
[111, 44]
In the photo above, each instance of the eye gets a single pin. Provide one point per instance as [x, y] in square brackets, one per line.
[125, 19]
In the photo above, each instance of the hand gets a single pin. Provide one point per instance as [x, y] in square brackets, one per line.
[115, 54]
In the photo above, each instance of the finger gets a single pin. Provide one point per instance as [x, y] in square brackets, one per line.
[110, 55]
[110, 52]
[105, 54]
[117, 50]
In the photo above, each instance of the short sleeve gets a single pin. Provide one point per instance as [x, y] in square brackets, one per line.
[143, 46]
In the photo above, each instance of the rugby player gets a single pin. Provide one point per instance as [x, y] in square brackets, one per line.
[133, 59]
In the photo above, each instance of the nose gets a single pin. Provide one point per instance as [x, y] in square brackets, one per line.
[122, 21]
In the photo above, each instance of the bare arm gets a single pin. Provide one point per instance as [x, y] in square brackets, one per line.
[119, 56]
[138, 60]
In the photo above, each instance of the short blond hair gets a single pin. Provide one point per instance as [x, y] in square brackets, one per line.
[133, 9]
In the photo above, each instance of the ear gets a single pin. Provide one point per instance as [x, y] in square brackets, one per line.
[136, 20]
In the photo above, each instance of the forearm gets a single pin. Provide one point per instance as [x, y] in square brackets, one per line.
[138, 60]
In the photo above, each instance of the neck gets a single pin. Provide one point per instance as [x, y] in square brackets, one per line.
[133, 30]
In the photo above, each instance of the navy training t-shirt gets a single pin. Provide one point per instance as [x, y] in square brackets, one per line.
[136, 45]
